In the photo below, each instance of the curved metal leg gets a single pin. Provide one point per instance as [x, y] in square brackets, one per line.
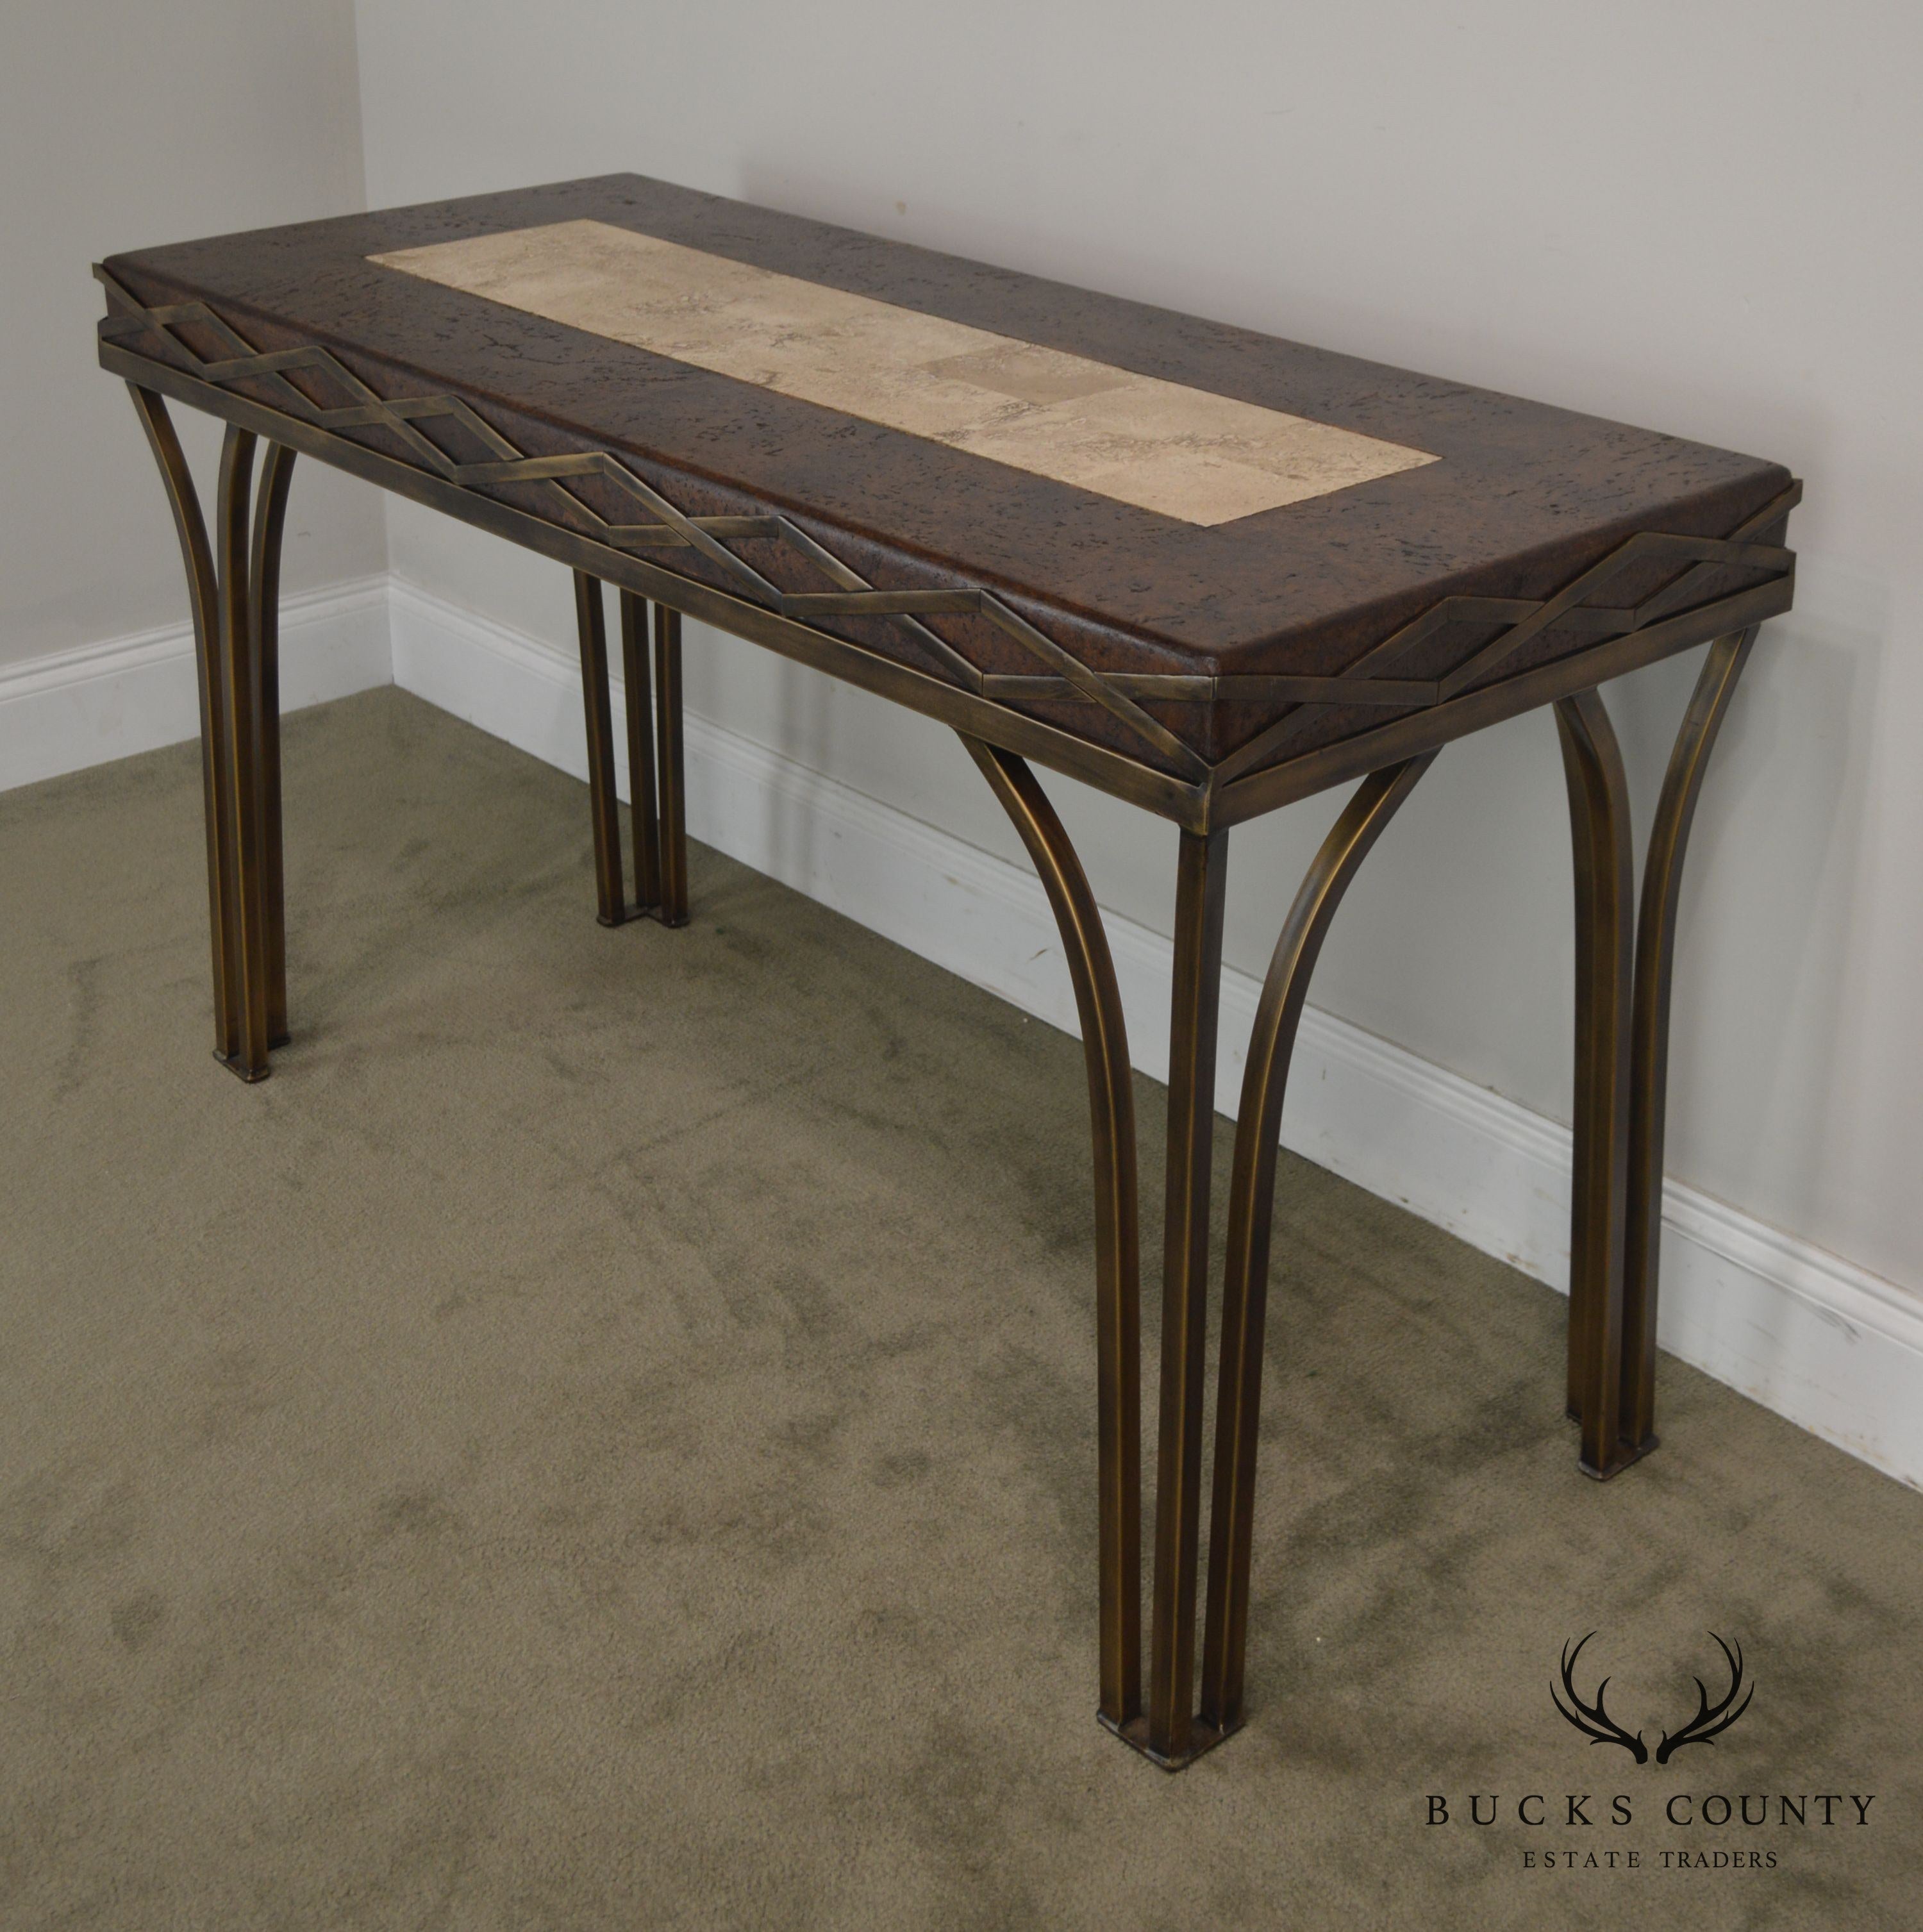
[590, 621]
[1605, 886]
[1649, 1029]
[233, 588]
[656, 786]
[643, 816]
[1117, 1254]
[203, 597]
[1251, 1211]
[1171, 1736]
[674, 787]
[270, 516]
[240, 664]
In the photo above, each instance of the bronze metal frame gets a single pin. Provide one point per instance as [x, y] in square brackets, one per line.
[1649, 1026]
[1623, 972]
[1117, 1236]
[1623, 977]
[644, 812]
[1201, 876]
[603, 809]
[1605, 874]
[1251, 1215]
[1622, 1034]
[656, 786]
[235, 607]
[263, 589]
[673, 910]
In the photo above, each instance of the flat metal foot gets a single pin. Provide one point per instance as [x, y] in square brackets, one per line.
[1626, 1456]
[1202, 1737]
[239, 1069]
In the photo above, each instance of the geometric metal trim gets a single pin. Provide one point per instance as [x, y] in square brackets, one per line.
[853, 596]
[1527, 619]
[1363, 683]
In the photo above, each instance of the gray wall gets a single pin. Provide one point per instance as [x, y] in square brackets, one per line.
[121, 125]
[1704, 218]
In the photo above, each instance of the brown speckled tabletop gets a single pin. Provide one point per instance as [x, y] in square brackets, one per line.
[1157, 492]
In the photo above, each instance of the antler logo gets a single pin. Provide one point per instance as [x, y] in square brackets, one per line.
[1592, 1719]
[1599, 1727]
[1710, 1719]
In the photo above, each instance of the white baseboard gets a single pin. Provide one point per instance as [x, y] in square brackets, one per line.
[82, 707]
[1826, 1343]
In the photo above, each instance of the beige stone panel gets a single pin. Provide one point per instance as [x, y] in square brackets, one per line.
[1208, 489]
[1199, 486]
[1156, 414]
[1030, 373]
[1181, 452]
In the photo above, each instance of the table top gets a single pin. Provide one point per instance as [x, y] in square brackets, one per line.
[1156, 496]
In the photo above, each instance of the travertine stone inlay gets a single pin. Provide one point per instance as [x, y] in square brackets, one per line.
[1185, 453]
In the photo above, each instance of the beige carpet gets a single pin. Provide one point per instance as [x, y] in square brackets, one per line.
[604, 1438]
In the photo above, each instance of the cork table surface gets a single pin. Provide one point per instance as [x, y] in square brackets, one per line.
[1159, 494]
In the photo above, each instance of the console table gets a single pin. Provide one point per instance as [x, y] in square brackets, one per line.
[1203, 570]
